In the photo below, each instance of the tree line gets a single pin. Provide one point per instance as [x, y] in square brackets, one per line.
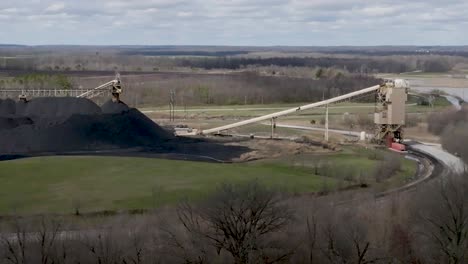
[115, 61]
[249, 87]
[353, 65]
[236, 89]
[37, 81]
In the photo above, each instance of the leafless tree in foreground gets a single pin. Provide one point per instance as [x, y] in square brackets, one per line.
[105, 246]
[239, 219]
[15, 245]
[345, 239]
[22, 244]
[47, 241]
[444, 214]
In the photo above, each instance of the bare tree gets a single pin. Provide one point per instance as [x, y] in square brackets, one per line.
[15, 244]
[238, 219]
[444, 214]
[104, 246]
[312, 237]
[47, 240]
[401, 244]
[136, 247]
[342, 237]
[188, 241]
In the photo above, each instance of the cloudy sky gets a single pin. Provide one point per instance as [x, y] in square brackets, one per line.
[234, 22]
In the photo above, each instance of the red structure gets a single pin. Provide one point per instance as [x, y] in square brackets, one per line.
[398, 146]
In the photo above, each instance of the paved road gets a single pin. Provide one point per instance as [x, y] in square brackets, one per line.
[448, 160]
[454, 101]
[251, 109]
[342, 132]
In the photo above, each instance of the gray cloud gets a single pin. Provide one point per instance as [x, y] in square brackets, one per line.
[234, 22]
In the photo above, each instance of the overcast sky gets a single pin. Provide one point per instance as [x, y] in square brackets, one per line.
[235, 22]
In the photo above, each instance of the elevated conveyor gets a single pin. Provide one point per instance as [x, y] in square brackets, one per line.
[273, 116]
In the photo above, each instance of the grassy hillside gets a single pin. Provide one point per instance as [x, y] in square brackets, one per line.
[63, 184]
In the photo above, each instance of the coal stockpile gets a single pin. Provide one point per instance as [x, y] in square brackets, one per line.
[49, 107]
[74, 124]
[111, 107]
[7, 107]
[13, 122]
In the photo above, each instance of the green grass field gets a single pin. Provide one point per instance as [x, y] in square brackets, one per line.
[62, 184]
[57, 184]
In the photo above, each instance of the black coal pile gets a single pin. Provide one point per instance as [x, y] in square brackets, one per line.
[74, 124]
[7, 107]
[111, 107]
[12, 122]
[49, 107]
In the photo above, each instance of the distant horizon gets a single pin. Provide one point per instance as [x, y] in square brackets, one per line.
[227, 45]
[259, 23]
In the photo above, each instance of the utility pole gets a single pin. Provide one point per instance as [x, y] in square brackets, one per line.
[185, 106]
[273, 127]
[172, 105]
[326, 124]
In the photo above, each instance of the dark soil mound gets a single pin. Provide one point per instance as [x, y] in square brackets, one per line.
[50, 107]
[7, 107]
[111, 107]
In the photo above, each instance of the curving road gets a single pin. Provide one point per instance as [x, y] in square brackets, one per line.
[448, 160]
[454, 101]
